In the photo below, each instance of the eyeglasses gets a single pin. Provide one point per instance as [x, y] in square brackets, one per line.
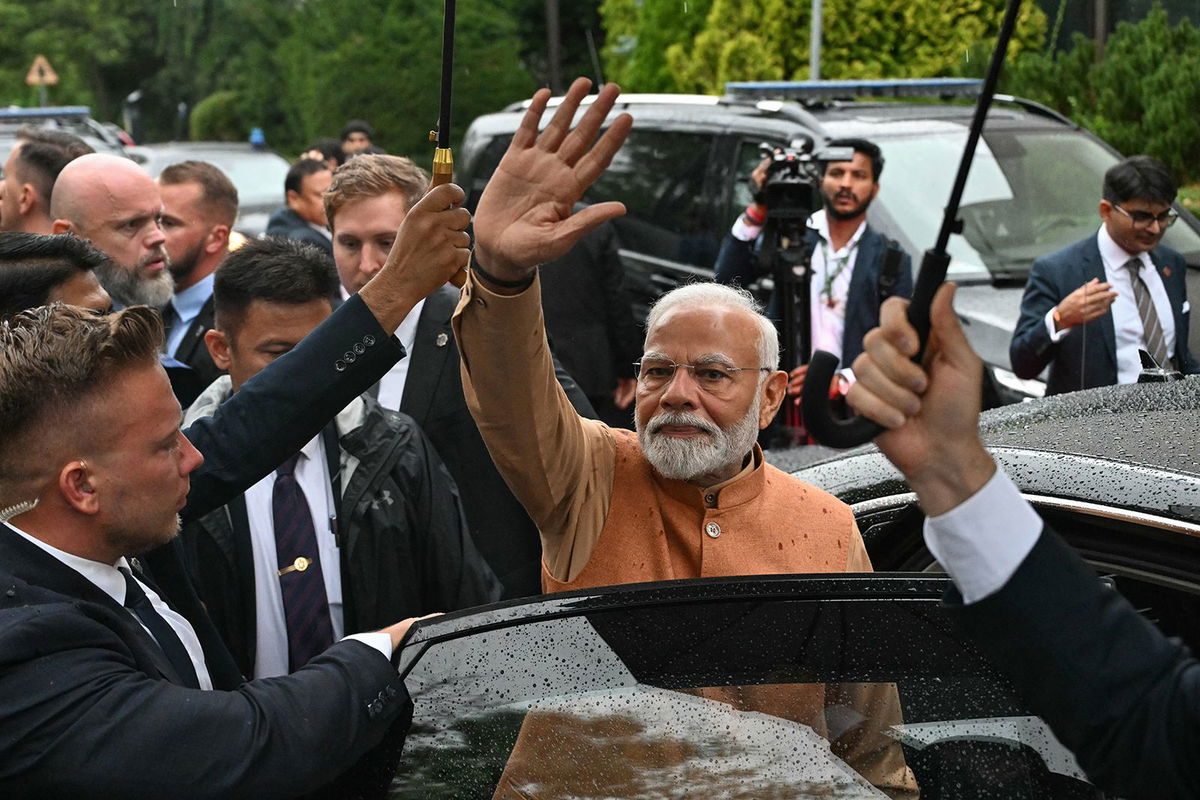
[1142, 219]
[654, 373]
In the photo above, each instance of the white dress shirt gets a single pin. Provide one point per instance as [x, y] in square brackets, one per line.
[187, 305]
[828, 312]
[1127, 323]
[312, 474]
[108, 579]
[391, 385]
[982, 541]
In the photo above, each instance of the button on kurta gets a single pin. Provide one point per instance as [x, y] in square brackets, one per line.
[712, 529]
[710, 499]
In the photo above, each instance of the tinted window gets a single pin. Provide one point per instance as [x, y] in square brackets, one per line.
[660, 176]
[780, 692]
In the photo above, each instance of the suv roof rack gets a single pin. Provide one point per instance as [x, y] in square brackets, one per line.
[812, 91]
[51, 112]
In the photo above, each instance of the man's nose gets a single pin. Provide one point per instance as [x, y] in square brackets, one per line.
[681, 389]
[191, 458]
[155, 236]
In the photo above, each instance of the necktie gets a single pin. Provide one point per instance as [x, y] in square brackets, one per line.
[168, 641]
[305, 604]
[1152, 332]
[170, 318]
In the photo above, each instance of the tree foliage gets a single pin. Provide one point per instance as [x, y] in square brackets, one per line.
[769, 39]
[1141, 97]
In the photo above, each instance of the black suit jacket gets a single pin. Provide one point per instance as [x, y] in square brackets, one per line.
[737, 263]
[192, 351]
[1119, 694]
[114, 698]
[89, 706]
[1087, 356]
[433, 396]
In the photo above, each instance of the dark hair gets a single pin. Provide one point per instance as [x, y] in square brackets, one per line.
[218, 193]
[32, 265]
[370, 150]
[357, 126]
[867, 148]
[301, 170]
[329, 148]
[275, 270]
[45, 151]
[1139, 178]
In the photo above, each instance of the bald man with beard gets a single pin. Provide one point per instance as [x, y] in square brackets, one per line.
[112, 202]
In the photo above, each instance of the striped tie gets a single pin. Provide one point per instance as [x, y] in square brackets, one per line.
[1152, 333]
[305, 604]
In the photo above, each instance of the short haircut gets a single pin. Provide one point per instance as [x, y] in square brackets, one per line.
[715, 295]
[372, 176]
[56, 358]
[217, 192]
[43, 154]
[357, 126]
[274, 270]
[1139, 178]
[329, 148]
[32, 265]
[867, 148]
[301, 170]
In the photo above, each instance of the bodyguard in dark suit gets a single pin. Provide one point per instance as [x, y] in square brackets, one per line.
[303, 215]
[854, 267]
[1089, 308]
[368, 198]
[82, 494]
[1114, 690]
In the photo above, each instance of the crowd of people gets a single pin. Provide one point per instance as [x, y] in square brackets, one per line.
[348, 443]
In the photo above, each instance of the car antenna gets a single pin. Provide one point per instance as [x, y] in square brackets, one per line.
[443, 159]
[814, 398]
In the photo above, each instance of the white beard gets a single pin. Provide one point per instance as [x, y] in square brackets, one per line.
[694, 458]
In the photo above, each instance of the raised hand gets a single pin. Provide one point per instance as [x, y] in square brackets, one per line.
[1088, 302]
[931, 411]
[524, 216]
[431, 245]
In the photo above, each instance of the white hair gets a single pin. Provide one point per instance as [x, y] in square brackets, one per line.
[715, 295]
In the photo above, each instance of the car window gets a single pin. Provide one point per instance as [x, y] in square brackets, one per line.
[660, 176]
[785, 687]
[1029, 193]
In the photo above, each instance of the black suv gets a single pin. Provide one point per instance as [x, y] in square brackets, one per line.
[683, 176]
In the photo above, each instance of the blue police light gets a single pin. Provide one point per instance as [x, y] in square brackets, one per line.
[838, 90]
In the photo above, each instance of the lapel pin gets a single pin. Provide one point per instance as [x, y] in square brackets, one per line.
[442, 340]
[1167, 271]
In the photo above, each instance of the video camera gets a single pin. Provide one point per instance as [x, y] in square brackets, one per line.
[790, 191]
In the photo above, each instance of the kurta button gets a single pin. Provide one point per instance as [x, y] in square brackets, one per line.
[339, 365]
[349, 357]
[710, 499]
[442, 340]
[712, 529]
[358, 348]
[368, 340]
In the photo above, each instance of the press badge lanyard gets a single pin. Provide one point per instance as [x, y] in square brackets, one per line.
[832, 275]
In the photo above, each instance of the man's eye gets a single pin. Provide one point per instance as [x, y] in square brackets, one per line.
[657, 372]
[712, 374]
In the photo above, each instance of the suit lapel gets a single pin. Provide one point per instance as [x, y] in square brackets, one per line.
[1100, 333]
[860, 296]
[431, 356]
[38, 568]
[195, 333]
[1175, 296]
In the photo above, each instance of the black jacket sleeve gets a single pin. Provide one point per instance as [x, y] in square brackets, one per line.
[1031, 349]
[272, 416]
[103, 729]
[1119, 694]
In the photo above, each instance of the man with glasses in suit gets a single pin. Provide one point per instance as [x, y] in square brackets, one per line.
[1091, 307]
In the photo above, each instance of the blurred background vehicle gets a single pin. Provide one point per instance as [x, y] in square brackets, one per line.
[257, 172]
[683, 176]
[104, 138]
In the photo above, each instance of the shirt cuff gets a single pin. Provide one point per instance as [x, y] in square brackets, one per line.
[1056, 336]
[983, 540]
[375, 640]
[745, 232]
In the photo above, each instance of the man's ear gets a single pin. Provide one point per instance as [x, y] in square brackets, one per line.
[291, 197]
[28, 199]
[62, 226]
[78, 488]
[218, 239]
[774, 389]
[1106, 209]
[218, 347]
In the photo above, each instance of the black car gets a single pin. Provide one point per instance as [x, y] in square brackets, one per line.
[691, 688]
[683, 176]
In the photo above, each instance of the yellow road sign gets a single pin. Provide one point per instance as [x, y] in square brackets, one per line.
[41, 73]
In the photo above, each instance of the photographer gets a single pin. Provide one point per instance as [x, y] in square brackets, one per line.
[853, 267]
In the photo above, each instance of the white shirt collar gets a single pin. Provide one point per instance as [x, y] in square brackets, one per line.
[1116, 256]
[819, 222]
[106, 577]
